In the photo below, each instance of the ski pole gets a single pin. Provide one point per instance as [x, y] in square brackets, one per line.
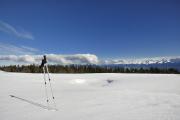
[45, 86]
[50, 85]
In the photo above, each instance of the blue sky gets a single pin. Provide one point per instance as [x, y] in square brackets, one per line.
[108, 29]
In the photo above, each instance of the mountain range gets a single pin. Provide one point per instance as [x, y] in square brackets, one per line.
[159, 62]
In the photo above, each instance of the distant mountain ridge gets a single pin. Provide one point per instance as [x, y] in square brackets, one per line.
[155, 60]
[159, 62]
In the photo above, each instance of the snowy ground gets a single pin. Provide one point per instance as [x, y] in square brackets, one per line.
[91, 97]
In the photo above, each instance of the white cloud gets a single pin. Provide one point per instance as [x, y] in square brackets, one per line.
[74, 59]
[24, 54]
[7, 28]
[53, 58]
[8, 49]
[30, 48]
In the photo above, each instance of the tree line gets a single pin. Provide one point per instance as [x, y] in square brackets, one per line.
[84, 69]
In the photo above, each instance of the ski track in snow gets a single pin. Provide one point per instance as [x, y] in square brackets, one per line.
[106, 96]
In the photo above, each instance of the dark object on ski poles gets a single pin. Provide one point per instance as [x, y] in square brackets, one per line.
[46, 74]
[44, 61]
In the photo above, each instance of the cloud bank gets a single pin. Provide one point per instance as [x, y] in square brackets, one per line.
[9, 29]
[82, 59]
[53, 59]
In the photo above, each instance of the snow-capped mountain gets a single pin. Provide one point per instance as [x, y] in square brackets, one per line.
[147, 61]
[159, 62]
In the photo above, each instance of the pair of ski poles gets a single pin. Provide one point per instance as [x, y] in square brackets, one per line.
[46, 73]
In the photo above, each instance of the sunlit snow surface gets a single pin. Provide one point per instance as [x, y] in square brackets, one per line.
[91, 97]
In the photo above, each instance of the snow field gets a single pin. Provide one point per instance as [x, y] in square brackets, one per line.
[92, 96]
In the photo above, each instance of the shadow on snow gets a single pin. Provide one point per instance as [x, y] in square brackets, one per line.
[34, 103]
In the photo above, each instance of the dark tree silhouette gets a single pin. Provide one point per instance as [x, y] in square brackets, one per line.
[85, 69]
